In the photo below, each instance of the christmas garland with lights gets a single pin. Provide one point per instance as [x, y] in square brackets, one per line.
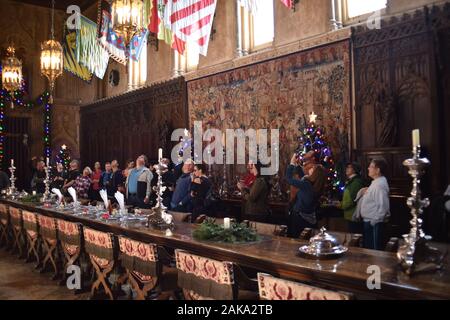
[16, 99]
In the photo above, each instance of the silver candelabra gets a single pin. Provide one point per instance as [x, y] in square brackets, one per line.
[47, 194]
[224, 188]
[159, 216]
[416, 255]
[12, 191]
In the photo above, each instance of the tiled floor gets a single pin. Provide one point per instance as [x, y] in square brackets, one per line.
[20, 281]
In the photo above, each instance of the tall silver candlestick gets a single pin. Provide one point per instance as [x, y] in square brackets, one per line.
[416, 255]
[47, 181]
[12, 191]
[224, 187]
[159, 216]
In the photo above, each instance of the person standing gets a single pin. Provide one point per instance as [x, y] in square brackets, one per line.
[181, 198]
[256, 207]
[353, 184]
[117, 179]
[37, 183]
[106, 176]
[129, 166]
[72, 175]
[138, 184]
[83, 183]
[95, 178]
[375, 209]
[304, 209]
[200, 189]
[58, 177]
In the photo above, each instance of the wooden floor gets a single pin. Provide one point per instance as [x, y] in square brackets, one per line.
[20, 281]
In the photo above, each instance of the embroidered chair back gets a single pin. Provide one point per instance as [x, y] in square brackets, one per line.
[47, 228]
[16, 217]
[30, 223]
[139, 258]
[204, 278]
[4, 214]
[271, 288]
[99, 245]
[70, 234]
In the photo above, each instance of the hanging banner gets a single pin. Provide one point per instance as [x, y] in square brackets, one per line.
[70, 62]
[88, 51]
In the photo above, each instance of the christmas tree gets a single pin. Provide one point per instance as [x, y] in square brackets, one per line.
[312, 138]
[64, 156]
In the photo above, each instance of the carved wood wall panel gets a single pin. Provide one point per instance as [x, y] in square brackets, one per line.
[137, 122]
[398, 89]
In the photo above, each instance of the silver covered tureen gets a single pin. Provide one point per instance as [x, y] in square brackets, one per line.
[323, 245]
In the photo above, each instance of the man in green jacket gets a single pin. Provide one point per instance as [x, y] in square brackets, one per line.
[352, 186]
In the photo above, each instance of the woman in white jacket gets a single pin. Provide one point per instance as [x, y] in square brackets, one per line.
[375, 205]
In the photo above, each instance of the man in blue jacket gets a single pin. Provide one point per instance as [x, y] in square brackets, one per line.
[181, 198]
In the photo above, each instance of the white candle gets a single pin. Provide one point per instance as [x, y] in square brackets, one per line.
[226, 223]
[12, 162]
[416, 137]
[47, 161]
[159, 154]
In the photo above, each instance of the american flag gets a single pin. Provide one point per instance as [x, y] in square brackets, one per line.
[191, 21]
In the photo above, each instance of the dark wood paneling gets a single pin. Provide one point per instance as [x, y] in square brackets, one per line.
[400, 87]
[137, 122]
[17, 135]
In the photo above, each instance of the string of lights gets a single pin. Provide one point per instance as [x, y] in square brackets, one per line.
[17, 99]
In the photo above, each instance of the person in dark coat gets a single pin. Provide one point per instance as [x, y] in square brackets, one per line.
[37, 183]
[303, 212]
[200, 189]
[256, 207]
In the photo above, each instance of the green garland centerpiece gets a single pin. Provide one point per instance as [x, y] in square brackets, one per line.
[30, 198]
[237, 233]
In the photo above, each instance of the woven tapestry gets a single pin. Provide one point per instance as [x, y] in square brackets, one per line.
[281, 93]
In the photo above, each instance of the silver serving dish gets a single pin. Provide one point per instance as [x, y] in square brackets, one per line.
[323, 246]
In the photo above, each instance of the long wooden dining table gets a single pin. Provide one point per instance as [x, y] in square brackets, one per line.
[279, 256]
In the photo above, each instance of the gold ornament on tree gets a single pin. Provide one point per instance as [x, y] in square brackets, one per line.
[51, 58]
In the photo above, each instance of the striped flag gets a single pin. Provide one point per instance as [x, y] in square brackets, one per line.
[191, 21]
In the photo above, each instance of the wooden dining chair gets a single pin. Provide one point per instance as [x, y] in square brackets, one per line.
[203, 278]
[146, 270]
[4, 226]
[17, 231]
[49, 235]
[102, 250]
[31, 227]
[267, 228]
[272, 288]
[70, 235]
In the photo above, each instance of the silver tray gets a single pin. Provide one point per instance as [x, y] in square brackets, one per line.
[335, 253]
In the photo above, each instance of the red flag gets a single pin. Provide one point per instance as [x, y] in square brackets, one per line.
[154, 19]
[287, 3]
